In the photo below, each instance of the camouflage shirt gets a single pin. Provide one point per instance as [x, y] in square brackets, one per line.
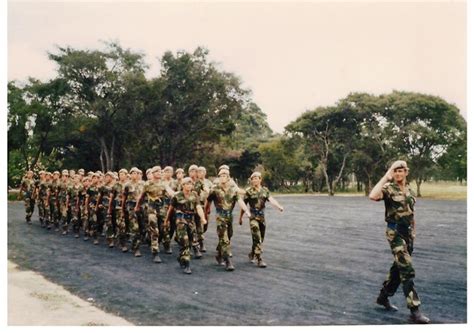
[27, 186]
[185, 205]
[154, 191]
[132, 190]
[399, 205]
[223, 199]
[92, 193]
[62, 188]
[256, 198]
[117, 192]
[105, 191]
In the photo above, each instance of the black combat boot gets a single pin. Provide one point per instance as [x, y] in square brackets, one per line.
[228, 265]
[202, 247]
[252, 258]
[168, 249]
[418, 317]
[124, 249]
[197, 253]
[219, 259]
[187, 269]
[383, 300]
[156, 258]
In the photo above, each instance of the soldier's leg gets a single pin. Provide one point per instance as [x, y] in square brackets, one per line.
[122, 230]
[183, 240]
[40, 205]
[172, 225]
[56, 216]
[75, 221]
[47, 213]
[193, 239]
[256, 238]
[28, 210]
[164, 232]
[109, 228]
[96, 221]
[153, 230]
[135, 232]
[199, 230]
[64, 220]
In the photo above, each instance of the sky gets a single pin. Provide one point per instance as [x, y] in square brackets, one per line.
[294, 56]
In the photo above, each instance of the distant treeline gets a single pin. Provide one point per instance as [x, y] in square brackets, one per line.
[101, 113]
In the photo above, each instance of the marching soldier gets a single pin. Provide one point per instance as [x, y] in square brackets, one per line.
[186, 204]
[103, 205]
[224, 197]
[115, 209]
[41, 197]
[256, 196]
[92, 195]
[27, 192]
[63, 200]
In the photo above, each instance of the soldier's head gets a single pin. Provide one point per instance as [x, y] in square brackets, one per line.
[192, 171]
[109, 177]
[56, 175]
[123, 175]
[224, 176]
[149, 175]
[42, 174]
[72, 173]
[77, 178]
[135, 173]
[179, 173]
[47, 176]
[65, 175]
[95, 178]
[201, 172]
[30, 174]
[168, 172]
[81, 172]
[256, 178]
[187, 184]
[400, 171]
[86, 181]
[156, 172]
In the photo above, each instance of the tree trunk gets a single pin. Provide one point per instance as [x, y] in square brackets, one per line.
[112, 152]
[102, 166]
[418, 186]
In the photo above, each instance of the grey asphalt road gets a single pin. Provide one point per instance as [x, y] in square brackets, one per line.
[327, 258]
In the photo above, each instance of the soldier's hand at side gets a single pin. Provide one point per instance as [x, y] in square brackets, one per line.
[204, 222]
[240, 221]
[248, 214]
[281, 209]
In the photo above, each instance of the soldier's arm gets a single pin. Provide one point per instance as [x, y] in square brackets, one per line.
[376, 194]
[86, 204]
[124, 198]
[139, 201]
[111, 200]
[170, 191]
[99, 200]
[168, 214]
[200, 212]
[243, 208]
[275, 203]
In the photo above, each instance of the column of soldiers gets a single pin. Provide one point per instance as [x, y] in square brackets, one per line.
[128, 211]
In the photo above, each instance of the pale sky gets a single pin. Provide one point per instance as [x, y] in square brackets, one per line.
[293, 56]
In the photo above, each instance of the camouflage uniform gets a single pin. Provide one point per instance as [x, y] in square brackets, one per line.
[131, 192]
[186, 234]
[118, 215]
[201, 192]
[93, 219]
[165, 230]
[102, 212]
[75, 202]
[256, 200]
[155, 194]
[399, 215]
[43, 206]
[53, 203]
[63, 207]
[224, 200]
[84, 211]
[27, 192]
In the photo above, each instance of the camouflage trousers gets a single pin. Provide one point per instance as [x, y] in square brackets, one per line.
[134, 226]
[224, 233]
[41, 213]
[46, 211]
[63, 212]
[165, 231]
[85, 212]
[76, 219]
[29, 207]
[402, 271]
[257, 229]
[121, 219]
[186, 236]
[104, 220]
[153, 230]
[54, 214]
[200, 229]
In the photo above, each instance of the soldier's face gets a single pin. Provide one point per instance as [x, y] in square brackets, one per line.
[192, 173]
[108, 179]
[188, 187]
[224, 178]
[149, 176]
[255, 181]
[29, 174]
[179, 175]
[134, 175]
[157, 175]
[201, 174]
[168, 174]
[400, 175]
[122, 176]
[65, 178]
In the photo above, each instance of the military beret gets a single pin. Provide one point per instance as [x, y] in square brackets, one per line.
[168, 168]
[148, 171]
[56, 173]
[156, 168]
[192, 167]
[186, 180]
[123, 171]
[65, 172]
[99, 173]
[223, 171]
[90, 173]
[29, 171]
[201, 168]
[256, 174]
[134, 169]
[96, 174]
[400, 165]
[224, 166]
[179, 170]
[41, 172]
[81, 171]
[110, 173]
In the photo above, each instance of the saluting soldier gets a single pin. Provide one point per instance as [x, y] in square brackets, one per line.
[224, 197]
[399, 200]
[27, 192]
[186, 204]
[256, 196]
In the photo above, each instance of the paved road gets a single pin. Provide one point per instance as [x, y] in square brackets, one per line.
[327, 258]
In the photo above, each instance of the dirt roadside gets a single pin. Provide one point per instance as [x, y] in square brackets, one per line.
[33, 300]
